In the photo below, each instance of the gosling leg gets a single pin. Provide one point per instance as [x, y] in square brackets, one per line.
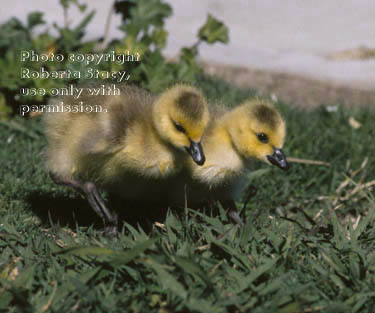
[97, 203]
[95, 200]
[233, 214]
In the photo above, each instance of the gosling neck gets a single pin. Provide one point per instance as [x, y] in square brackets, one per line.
[228, 123]
[220, 148]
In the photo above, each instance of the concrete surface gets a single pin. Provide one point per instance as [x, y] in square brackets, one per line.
[291, 36]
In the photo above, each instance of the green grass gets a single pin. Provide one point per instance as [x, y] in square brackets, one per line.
[308, 244]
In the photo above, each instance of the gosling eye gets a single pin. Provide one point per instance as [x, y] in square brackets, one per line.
[179, 127]
[262, 137]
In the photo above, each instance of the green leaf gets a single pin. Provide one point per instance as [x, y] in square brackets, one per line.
[117, 257]
[294, 307]
[213, 30]
[338, 229]
[364, 222]
[203, 306]
[70, 39]
[125, 257]
[159, 37]
[267, 266]
[337, 307]
[4, 109]
[273, 285]
[192, 268]
[167, 281]
[13, 124]
[81, 26]
[257, 173]
[65, 4]
[25, 278]
[245, 234]
[354, 263]
[334, 262]
[34, 19]
[6, 298]
[150, 12]
[8, 237]
[123, 7]
[13, 35]
[88, 251]
[143, 15]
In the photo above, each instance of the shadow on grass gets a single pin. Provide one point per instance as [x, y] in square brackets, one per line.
[70, 211]
[64, 210]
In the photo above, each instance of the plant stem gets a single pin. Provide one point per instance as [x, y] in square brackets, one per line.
[106, 28]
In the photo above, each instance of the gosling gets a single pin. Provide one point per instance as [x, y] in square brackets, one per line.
[255, 130]
[131, 148]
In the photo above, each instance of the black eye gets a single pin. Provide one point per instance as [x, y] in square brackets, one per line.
[262, 137]
[179, 127]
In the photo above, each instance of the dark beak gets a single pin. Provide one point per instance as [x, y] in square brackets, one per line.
[196, 152]
[278, 158]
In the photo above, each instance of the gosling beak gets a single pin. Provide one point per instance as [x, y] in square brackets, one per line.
[278, 158]
[196, 152]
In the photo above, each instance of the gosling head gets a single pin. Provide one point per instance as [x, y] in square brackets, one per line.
[259, 133]
[180, 117]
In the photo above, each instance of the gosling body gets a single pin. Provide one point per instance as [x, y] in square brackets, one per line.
[234, 141]
[132, 147]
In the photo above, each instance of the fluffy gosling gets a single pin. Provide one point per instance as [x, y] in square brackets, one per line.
[130, 150]
[253, 130]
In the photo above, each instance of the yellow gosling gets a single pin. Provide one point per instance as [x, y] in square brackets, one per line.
[252, 131]
[130, 150]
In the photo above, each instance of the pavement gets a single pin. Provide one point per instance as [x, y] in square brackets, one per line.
[289, 36]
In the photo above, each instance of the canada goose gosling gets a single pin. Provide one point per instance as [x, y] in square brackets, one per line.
[254, 130]
[140, 137]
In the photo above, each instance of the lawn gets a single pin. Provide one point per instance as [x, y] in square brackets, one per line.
[308, 244]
